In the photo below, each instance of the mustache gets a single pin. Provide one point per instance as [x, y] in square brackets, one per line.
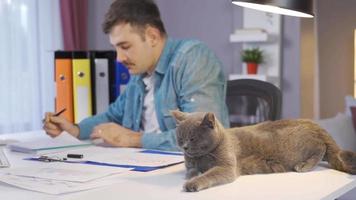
[126, 63]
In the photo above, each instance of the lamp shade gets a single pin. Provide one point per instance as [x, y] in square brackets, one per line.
[298, 8]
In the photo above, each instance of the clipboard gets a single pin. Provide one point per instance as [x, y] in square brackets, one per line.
[135, 167]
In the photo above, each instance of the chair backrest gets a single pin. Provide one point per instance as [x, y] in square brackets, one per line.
[252, 101]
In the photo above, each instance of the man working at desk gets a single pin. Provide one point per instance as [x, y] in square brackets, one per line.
[167, 74]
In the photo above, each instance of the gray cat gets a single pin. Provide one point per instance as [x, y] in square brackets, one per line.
[215, 155]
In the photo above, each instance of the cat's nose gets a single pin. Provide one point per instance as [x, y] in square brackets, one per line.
[185, 147]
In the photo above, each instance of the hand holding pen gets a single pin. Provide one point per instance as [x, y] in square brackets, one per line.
[54, 125]
[48, 115]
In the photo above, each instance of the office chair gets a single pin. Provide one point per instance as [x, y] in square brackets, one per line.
[251, 101]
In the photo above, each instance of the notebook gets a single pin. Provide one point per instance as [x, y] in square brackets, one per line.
[64, 140]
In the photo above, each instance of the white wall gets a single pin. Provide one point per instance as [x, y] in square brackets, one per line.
[336, 21]
[291, 67]
[212, 21]
[96, 38]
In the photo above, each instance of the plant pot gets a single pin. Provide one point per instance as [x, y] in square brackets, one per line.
[252, 68]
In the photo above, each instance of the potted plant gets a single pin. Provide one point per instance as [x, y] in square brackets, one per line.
[252, 57]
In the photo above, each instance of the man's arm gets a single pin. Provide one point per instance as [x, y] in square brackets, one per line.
[114, 114]
[117, 135]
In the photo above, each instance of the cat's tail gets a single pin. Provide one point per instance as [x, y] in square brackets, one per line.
[339, 159]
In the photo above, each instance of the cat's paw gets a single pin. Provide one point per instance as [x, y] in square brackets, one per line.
[191, 173]
[303, 167]
[192, 186]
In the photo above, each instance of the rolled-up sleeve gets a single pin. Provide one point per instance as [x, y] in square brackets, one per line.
[114, 113]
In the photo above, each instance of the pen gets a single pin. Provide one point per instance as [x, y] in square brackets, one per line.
[49, 159]
[60, 112]
[55, 115]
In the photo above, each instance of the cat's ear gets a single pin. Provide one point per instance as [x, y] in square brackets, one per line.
[208, 121]
[178, 115]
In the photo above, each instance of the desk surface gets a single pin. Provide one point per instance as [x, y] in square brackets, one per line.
[321, 183]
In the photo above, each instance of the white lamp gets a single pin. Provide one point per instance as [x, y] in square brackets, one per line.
[297, 8]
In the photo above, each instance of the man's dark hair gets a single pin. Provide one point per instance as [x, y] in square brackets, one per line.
[138, 13]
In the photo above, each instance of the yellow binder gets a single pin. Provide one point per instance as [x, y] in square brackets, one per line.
[82, 95]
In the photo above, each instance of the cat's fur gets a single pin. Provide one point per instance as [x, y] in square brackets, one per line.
[215, 155]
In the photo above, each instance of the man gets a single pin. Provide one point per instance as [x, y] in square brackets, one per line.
[167, 74]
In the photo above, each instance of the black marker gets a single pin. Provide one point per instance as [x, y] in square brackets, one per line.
[74, 155]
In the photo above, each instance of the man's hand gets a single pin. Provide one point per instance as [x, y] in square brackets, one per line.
[56, 125]
[117, 135]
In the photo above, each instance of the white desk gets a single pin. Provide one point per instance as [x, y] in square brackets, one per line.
[166, 184]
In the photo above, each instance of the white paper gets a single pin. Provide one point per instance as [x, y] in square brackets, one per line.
[67, 171]
[64, 140]
[4, 162]
[124, 156]
[49, 186]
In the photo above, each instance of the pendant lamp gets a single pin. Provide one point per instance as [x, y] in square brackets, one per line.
[297, 8]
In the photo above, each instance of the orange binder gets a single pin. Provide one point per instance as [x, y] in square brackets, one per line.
[64, 84]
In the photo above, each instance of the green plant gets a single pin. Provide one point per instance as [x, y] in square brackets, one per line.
[254, 55]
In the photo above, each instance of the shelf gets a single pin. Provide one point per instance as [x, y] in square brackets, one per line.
[263, 31]
[249, 37]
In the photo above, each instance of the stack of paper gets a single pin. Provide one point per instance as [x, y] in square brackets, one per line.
[66, 172]
[64, 140]
[60, 178]
[98, 166]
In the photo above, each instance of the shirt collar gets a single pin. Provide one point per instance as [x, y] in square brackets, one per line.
[165, 57]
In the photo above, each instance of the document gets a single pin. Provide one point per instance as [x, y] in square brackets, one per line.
[50, 186]
[73, 172]
[124, 157]
[64, 140]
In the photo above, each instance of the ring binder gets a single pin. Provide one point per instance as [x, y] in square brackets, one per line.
[82, 95]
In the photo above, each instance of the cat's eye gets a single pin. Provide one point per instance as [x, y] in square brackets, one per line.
[180, 142]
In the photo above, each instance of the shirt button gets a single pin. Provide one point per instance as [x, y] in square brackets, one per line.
[192, 99]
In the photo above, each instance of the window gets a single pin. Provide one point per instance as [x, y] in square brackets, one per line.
[30, 32]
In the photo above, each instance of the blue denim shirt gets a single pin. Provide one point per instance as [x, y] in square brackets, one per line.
[188, 77]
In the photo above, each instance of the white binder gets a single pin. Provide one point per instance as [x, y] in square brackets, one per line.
[101, 84]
